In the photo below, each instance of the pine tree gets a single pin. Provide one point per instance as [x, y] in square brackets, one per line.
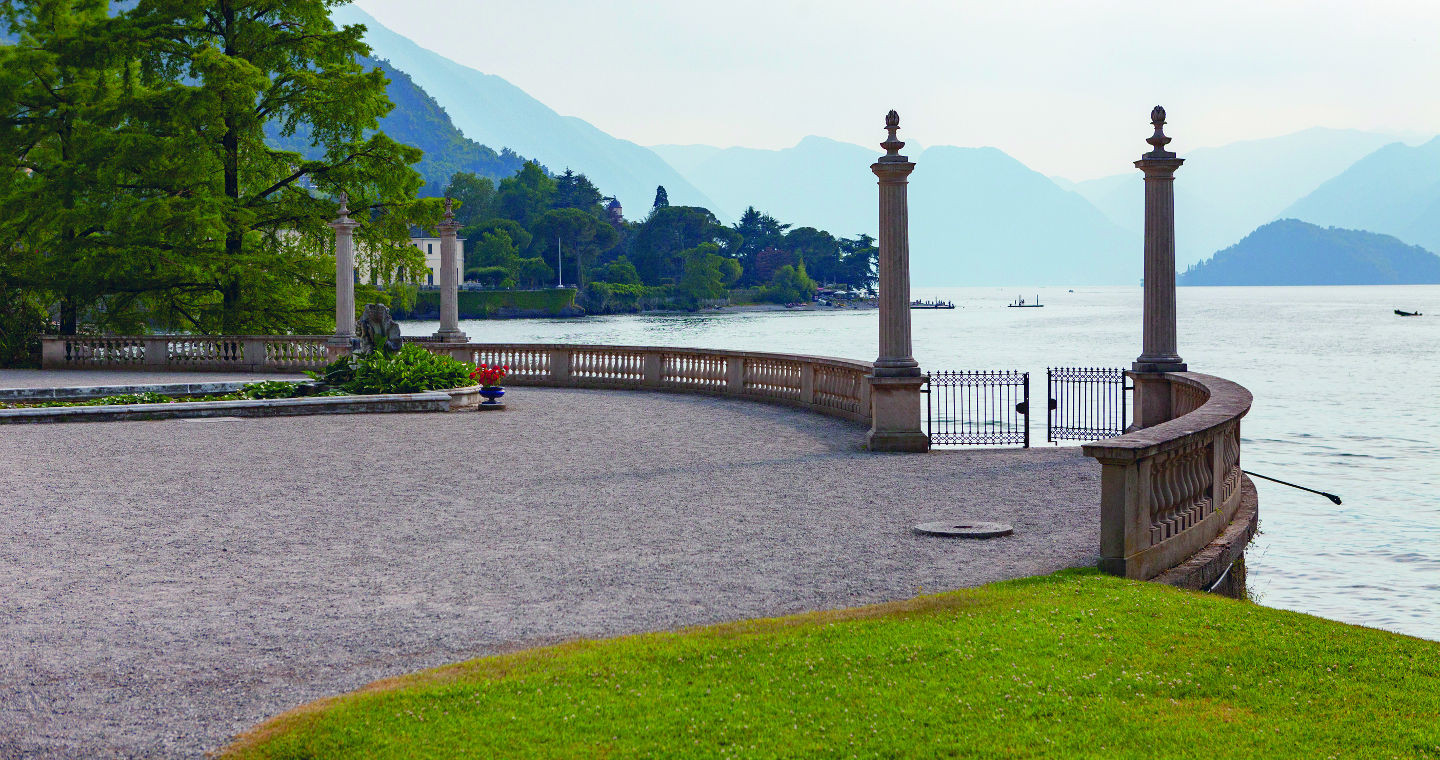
[662, 199]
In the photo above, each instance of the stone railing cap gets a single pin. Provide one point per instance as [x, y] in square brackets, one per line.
[1228, 401]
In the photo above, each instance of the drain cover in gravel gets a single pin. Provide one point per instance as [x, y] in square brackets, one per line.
[964, 529]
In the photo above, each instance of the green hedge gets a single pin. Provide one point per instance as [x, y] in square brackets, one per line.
[482, 304]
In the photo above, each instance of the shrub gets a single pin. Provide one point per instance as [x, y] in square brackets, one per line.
[410, 370]
[270, 389]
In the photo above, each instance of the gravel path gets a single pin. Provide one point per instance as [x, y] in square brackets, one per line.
[165, 585]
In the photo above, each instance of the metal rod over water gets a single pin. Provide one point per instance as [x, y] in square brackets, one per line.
[1330, 496]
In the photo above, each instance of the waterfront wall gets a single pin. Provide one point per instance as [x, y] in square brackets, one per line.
[1173, 492]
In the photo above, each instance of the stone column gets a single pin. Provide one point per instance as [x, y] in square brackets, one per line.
[344, 226]
[1158, 356]
[449, 281]
[896, 382]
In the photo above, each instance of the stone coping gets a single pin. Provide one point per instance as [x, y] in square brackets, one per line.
[25, 395]
[1228, 401]
[849, 363]
[429, 401]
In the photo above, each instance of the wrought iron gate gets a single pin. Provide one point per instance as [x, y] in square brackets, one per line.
[1086, 403]
[978, 408]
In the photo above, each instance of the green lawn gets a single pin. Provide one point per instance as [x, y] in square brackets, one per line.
[1076, 664]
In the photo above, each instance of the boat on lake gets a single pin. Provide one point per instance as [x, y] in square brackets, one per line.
[919, 304]
[1019, 303]
[1400, 313]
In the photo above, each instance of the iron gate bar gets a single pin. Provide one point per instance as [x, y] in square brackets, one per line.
[1086, 403]
[987, 408]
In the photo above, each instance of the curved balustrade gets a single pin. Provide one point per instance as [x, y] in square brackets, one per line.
[1169, 490]
[830, 386]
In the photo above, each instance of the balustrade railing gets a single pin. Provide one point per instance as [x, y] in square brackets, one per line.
[1170, 489]
[831, 386]
[236, 353]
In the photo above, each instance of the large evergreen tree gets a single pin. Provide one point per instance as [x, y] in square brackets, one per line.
[218, 72]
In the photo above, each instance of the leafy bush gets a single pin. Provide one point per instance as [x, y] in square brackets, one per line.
[270, 389]
[132, 398]
[410, 370]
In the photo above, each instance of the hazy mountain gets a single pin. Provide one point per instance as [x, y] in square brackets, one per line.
[977, 216]
[1292, 252]
[818, 183]
[419, 121]
[491, 111]
[1395, 190]
[1223, 193]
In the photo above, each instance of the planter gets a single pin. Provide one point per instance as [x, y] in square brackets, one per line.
[492, 394]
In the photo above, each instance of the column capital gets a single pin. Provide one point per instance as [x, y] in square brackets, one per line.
[447, 223]
[342, 216]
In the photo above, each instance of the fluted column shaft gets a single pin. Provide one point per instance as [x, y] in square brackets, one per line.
[1159, 350]
[449, 284]
[895, 359]
[344, 228]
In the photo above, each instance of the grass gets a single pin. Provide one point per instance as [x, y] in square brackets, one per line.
[1075, 664]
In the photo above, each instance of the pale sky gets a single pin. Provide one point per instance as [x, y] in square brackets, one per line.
[1065, 87]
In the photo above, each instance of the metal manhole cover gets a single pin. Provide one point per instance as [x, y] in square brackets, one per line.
[964, 529]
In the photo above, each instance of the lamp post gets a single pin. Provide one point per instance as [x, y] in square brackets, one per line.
[896, 380]
[1159, 354]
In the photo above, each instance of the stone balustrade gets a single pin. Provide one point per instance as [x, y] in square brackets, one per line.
[223, 353]
[835, 387]
[1169, 490]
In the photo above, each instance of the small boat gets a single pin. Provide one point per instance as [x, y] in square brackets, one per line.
[1019, 303]
[918, 304]
[1400, 313]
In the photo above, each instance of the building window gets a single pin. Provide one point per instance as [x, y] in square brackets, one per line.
[429, 248]
[430, 278]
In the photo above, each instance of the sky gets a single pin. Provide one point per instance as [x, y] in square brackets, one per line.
[1064, 86]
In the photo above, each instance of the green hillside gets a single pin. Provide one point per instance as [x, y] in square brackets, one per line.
[1292, 252]
[420, 121]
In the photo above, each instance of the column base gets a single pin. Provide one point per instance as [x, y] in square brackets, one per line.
[337, 346]
[895, 415]
[1162, 364]
[451, 336]
[907, 443]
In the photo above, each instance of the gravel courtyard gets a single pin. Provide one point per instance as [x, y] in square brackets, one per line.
[165, 585]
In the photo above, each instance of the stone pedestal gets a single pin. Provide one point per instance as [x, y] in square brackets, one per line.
[449, 281]
[344, 226]
[895, 414]
[1159, 352]
[895, 385]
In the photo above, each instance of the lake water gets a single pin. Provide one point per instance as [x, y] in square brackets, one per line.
[1347, 400]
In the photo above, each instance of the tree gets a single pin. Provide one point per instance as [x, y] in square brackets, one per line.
[493, 249]
[818, 249]
[476, 195]
[668, 231]
[581, 237]
[578, 192]
[859, 260]
[662, 199]
[757, 232]
[619, 272]
[790, 284]
[58, 95]
[216, 75]
[702, 278]
[526, 196]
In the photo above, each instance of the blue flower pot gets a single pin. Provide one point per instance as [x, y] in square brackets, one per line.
[492, 394]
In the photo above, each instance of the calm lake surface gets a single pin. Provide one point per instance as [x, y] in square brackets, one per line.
[1347, 400]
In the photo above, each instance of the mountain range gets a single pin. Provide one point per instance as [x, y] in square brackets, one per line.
[491, 111]
[1395, 190]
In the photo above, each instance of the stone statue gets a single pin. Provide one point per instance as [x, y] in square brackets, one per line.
[375, 330]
